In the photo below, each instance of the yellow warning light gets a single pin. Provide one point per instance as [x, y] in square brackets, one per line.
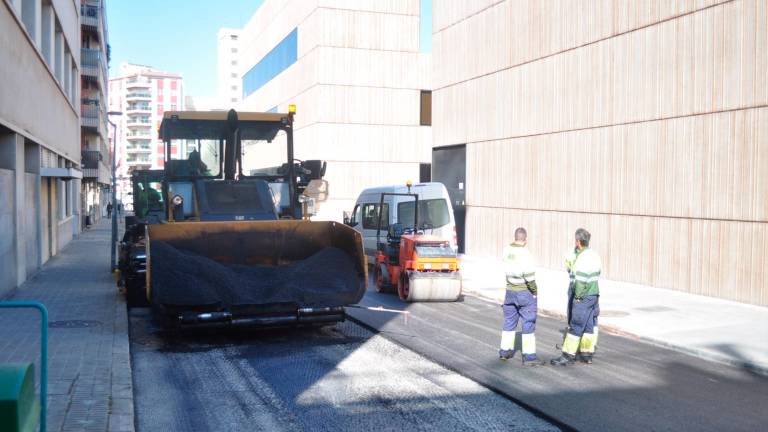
[409, 183]
[292, 109]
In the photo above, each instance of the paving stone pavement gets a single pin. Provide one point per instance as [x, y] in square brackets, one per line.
[90, 383]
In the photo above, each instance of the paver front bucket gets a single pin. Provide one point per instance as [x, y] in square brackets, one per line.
[258, 273]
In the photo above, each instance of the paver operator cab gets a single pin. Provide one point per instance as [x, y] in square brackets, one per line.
[221, 235]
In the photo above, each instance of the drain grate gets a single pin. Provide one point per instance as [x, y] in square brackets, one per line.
[74, 324]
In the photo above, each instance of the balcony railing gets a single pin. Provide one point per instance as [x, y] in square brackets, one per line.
[91, 158]
[138, 135]
[138, 81]
[138, 108]
[139, 95]
[138, 122]
[93, 64]
[90, 14]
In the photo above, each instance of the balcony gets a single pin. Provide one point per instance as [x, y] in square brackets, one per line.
[139, 148]
[138, 122]
[90, 159]
[137, 82]
[138, 109]
[138, 96]
[138, 135]
[93, 65]
[91, 114]
[90, 14]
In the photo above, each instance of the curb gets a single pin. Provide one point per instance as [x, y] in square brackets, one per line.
[752, 367]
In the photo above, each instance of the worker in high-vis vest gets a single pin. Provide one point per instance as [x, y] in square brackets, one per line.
[570, 258]
[581, 337]
[520, 300]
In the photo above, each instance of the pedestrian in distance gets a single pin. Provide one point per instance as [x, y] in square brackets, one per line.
[520, 300]
[580, 337]
[109, 209]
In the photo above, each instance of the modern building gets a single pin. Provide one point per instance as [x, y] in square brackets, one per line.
[356, 73]
[142, 94]
[646, 125]
[39, 134]
[95, 145]
[229, 81]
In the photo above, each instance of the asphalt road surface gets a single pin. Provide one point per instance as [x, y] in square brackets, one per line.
[630, 386]
[340, 378]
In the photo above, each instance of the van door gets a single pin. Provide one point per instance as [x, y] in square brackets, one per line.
[370, 222]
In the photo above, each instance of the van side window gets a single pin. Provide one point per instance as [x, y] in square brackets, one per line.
[371, 216]
[355, 216]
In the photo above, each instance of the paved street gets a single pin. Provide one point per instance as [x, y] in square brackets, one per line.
[631, 385]
[340, 378]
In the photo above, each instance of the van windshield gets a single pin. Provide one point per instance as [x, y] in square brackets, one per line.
[433, 213]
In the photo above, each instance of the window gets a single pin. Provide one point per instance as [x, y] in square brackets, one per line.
[371, 216]
[233, 75]
[433, 213]
[355, 216]
[174, 84]
[234, 50]
[283, 55]
[234, 87]
[233, 37]
[233, 62]
[426, 108]
[425, 173]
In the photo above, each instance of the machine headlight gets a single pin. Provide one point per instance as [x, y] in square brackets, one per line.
[177, 200]
[428, 266]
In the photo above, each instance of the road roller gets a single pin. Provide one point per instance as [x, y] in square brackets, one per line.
[418, 267]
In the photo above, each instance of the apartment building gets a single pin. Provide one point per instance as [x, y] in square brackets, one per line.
[39, 134]
[229, 82]
[644, 122]
[94, 135]
[142, 94]
[356, 73]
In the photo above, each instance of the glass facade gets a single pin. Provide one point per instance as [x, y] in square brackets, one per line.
[280, 58]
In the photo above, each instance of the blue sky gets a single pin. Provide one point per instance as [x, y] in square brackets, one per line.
[174, 35]
[180, 35]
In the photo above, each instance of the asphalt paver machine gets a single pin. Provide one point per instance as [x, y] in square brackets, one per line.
[221, 237]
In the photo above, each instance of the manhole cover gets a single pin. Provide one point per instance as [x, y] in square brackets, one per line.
[614, 314]
[74, 324]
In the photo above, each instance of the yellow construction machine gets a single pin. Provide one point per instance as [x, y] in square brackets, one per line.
[221, 237]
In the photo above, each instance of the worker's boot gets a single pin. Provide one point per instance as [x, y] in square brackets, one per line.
[585, 358]
[506, 354]
[532, 360]
[564, 360]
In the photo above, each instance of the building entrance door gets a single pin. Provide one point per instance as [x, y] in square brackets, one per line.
[449, 167]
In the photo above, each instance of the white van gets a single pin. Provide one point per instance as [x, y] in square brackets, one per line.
[435, 213]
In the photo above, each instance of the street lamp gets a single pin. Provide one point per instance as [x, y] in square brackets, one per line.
[113, 245]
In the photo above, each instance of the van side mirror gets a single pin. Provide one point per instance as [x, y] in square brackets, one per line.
[348, 219]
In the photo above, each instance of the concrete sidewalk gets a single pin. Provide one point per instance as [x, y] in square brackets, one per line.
[714, 329]
[89, 386]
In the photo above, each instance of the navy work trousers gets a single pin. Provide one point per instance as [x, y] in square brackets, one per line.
[517, 305]
[583, 315]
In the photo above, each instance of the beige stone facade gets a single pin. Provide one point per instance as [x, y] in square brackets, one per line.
[39, 134]
[645, 122]
[356, 79]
